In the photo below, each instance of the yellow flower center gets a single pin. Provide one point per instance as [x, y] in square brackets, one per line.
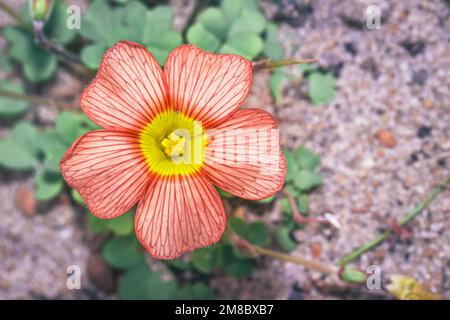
[173, 144]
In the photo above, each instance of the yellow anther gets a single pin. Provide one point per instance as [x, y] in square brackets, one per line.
[173, 145]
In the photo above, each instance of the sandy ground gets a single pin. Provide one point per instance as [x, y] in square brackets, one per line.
[395, 79]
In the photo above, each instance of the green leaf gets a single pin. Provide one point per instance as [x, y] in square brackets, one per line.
[306, 180]
[15, 156]
[92, 54]
[258, 234]
[306, 159]
[48, 185]
[140, 283]
[292, 166]
[5, 64]
[302, 202]
[121, 226]
[161, 47]
[250, 22]
[353, 275]
[247, 45]
[285, 206]
[76, 196]
[122, 252]
[20, 151]
[105, 26]
[201, 37]
[206, 259]
[196, 291]
[268, 199]
[157, 20]
[27, 135]
[272, 46]
[278, 80]
[215, 21]
[67, 125]
[53, 148]
[233, 8]
[238, 225]
[235, 266]
[56, 27]
[284, 239]
[178, 263]
[11, 108]
[37, 63]
[224, 194]
[321, 87]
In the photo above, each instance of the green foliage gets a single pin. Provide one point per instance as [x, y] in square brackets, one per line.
[120, 226]
[225, 256]
[48, 185]
[353, 275]
[37, 63]
[123, 252]
[104, 26]
[28, 148]
[277, 81]
[140, 283]
[17, 150]
[321, 87]
[236, 27]
[12, 108]
[284, 239]
[301, 178]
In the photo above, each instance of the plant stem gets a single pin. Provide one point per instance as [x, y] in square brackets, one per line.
[272, 64]
[36, 99]
[296, 215]
[355, 254]
[8, 10]
[309, 263]
[42, 40]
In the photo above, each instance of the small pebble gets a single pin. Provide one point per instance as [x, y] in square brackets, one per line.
[386, 138]
[25, 201]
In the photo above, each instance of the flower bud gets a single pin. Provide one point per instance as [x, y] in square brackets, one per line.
[40, 9]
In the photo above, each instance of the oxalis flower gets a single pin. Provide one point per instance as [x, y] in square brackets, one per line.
[169, 137]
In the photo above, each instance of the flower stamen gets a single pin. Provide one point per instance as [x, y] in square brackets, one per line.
[174, 145]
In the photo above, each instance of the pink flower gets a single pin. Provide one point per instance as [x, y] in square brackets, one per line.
[169, 137]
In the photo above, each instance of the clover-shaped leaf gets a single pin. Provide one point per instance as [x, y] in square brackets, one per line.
[123, 252]
[18, 151]
[306, 159]
[196, 291]
[48, 185]
[121, 226]
[321, 87]
[37, 63]
[235, 27]
[140, 283]
[206, 259]
[11, 108]
[284, 239]
[104, 26]
[306, 180]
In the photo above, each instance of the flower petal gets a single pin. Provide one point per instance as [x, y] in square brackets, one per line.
[128, 90]
[208, 87]
[179, 214]
[108, 170]
[244, 156]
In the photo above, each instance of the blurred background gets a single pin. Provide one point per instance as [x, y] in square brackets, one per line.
[365, 130]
